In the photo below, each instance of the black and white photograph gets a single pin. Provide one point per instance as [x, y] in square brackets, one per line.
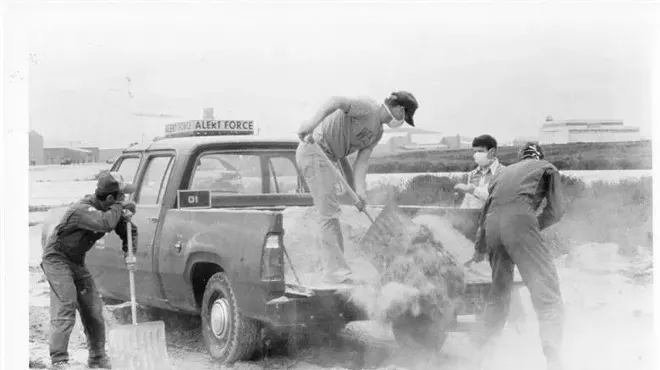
[329, 185]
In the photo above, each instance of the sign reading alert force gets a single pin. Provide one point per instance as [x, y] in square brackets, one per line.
[203, 127]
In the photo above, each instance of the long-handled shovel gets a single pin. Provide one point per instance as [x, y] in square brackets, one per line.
[388, 229]
[138, 346]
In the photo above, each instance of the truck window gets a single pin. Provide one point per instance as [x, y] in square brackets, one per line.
[283, 176]
[154, 182]
[228, 173]
[127, 167]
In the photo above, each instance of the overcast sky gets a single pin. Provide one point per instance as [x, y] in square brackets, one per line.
[99, 69]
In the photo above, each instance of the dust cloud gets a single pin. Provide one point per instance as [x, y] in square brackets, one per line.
[606, 289]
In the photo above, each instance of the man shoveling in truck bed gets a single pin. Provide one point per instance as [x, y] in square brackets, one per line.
[510, 234]
[341, 127]
[71, 284]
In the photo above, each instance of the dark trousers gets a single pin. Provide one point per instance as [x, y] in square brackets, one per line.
[514, 239]
[72, 288]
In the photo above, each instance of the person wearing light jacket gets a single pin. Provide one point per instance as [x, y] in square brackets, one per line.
[488, 166]
[476, 192]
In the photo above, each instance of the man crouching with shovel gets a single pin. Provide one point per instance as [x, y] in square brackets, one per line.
[346, 125]
[63, 263]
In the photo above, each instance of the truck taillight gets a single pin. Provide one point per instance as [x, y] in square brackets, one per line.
[272, 261]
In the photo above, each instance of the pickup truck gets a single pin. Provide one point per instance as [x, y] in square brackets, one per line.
[210, 221]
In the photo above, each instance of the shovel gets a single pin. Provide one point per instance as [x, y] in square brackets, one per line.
[389, 228]
[137, 346]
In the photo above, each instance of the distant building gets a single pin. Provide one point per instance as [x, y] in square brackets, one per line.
[416, 147]
[94, 151]
[70, 152]
[576, 130]
[457, 142]
[36, 148]
[408, 138]
[107, 154]
[520, 141]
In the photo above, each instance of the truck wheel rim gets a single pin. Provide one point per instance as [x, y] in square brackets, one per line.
[220, 318]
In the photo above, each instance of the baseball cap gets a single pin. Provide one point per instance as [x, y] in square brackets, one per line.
[408, 102]
[111, 182]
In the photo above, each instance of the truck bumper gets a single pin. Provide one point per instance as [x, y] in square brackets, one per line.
[314, 308]
[318, 308]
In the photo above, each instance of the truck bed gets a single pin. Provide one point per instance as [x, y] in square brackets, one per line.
[449, 225]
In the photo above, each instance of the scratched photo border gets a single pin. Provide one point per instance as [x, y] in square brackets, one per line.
[16, 58]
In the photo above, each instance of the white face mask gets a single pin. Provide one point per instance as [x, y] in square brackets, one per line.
[481, 158]
[393, 123]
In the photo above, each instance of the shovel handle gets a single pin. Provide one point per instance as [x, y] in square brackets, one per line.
[131, 276]
[338, 173]
[342, 179]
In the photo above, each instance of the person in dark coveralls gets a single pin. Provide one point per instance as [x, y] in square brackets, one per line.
[63, 263]
[509, 233]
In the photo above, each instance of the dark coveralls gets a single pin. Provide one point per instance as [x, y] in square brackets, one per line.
[72, 286]
[509, 231]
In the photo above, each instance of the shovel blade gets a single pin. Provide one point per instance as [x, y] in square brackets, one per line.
[388, 234]
[139, 347]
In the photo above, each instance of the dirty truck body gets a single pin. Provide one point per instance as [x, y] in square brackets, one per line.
[219, 254]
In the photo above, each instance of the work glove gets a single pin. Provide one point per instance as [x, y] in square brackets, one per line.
[122, 232]
[465, 188]
[130, 206]
[361, 203]
[306, 137]
[476, 258]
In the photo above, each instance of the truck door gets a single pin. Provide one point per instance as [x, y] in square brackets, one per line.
[105, 260]
[149, 199]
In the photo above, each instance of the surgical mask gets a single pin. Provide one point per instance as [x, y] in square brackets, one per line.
[393, 123]
[481, 158]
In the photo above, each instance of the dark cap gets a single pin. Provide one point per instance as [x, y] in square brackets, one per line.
[408, 102]
[531, 150]
[113, 182]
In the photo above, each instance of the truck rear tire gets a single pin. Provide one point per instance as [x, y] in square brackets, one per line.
[229, 336]
[419, 332]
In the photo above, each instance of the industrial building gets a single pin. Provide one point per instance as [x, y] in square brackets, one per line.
[586, 131]
[457, 142]
[66, 152]
[408, 138]
[108, 154]
[36, 148]
[70, 153]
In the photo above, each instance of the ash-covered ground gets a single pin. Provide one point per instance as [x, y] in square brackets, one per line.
[606, 287]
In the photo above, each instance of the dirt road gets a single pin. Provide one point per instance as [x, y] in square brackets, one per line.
[609, 327]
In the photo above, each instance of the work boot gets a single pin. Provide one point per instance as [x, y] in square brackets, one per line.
[60, 365]
[99, 362]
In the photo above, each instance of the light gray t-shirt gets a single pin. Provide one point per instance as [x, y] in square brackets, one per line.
[341, 134]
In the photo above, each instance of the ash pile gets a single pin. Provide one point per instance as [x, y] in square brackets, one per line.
[419, 279]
